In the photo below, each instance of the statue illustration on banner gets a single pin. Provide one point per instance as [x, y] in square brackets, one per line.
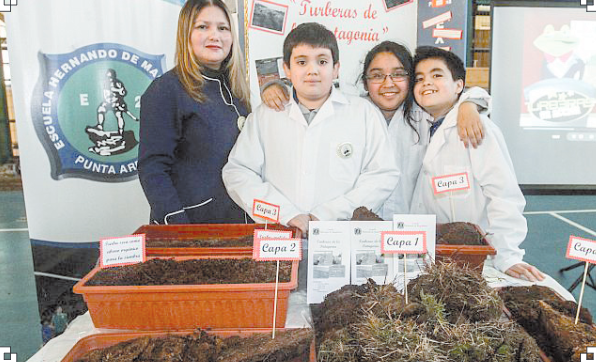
[109, 143]
[86, 109]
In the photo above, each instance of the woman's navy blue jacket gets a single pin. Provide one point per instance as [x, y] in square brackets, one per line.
[183, 146]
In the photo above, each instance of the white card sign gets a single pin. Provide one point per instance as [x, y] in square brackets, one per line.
[328, 258]
[120, 251]
[277, 249]
[268, 234]
[265, 210]
[367, 260]
[272, 234]
[403, 242]
[455, 182]
[581, 249]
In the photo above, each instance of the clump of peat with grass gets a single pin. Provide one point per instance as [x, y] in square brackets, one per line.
[451, 315]
[551, 321]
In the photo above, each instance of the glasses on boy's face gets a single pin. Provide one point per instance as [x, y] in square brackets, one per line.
[378, 78]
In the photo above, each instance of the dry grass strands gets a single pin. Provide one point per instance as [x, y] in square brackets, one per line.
[465, 294]
[490, 341]
[395, 340]
[338, 346]
[453, 317]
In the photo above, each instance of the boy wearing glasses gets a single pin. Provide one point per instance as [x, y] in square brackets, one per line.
[321, 157]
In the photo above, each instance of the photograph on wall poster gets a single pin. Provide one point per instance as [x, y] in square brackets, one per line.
[269, 16]
[393, 4]
[270, 69]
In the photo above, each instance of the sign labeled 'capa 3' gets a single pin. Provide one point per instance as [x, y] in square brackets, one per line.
[455, 182]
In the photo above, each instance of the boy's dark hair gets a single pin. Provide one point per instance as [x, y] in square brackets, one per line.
[453, 62]
[313, 34]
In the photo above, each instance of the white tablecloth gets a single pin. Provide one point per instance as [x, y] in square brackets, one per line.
[298, 313]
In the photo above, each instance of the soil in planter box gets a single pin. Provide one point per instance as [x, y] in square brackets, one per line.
[243, 241]
[525, 307]
[196, 347]
[196, 271]
[452, 315]
[285, 347]
[461, 233]
[202, 347]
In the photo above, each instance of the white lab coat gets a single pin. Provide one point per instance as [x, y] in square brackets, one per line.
[494, 200]
[280, 159]
[410, 147]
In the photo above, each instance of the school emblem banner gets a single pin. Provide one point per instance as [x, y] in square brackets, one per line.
[78, 71]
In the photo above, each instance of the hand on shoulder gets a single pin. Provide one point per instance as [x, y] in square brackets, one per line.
[275, 96]
[469, 125]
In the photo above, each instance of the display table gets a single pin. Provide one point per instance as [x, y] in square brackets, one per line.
[298, 313]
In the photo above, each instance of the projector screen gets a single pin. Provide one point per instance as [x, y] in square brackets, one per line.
[543, 84]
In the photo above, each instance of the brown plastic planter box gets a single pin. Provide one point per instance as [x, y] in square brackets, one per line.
[176, 307]
[471, 255]
[104, 340]
[203, 231]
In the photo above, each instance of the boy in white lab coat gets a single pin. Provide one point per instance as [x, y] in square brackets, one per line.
[323, 156]
[494, 200]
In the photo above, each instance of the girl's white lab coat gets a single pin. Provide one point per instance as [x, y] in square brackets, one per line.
[341, 161]
[494, 200]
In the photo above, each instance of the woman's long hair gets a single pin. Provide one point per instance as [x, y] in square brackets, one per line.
[405, 57]
[188, 67]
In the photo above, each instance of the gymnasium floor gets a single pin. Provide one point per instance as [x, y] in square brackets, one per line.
[551, 220]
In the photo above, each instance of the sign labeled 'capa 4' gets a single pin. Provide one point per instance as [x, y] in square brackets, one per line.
[581, 249]
[585, 250]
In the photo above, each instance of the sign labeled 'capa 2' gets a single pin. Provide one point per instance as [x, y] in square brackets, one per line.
[277, 249]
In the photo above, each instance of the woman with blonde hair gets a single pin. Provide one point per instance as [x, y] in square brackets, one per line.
[190, 119]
